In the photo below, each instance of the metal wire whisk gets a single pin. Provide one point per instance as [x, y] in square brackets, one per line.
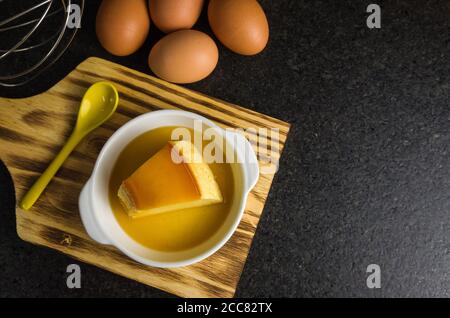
[22, 27]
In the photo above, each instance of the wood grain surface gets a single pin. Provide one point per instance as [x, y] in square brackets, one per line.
[32, 131]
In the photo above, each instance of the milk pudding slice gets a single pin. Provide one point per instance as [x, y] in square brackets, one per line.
[163, 184]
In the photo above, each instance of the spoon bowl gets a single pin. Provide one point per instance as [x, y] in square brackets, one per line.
[98, 104]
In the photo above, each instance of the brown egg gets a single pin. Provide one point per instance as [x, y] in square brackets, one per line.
[184, 56]
[122, 26]
[173, 15]
[241, 25]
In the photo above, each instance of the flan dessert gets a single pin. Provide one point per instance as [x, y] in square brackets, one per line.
[175, 178]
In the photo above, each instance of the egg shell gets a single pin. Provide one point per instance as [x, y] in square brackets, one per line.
[241, 25]
[122, 26]
[184, 56]
[173, 15]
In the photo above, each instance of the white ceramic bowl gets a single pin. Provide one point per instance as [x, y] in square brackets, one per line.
[98, 217]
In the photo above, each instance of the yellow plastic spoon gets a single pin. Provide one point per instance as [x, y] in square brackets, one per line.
[98, 104]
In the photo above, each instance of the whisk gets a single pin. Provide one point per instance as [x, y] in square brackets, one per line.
[31, 43]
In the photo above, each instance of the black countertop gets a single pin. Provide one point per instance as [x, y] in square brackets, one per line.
[365, 175]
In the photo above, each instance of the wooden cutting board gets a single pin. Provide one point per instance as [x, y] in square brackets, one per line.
[32, 131]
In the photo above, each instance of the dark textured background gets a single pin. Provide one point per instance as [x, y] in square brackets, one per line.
[365, 175]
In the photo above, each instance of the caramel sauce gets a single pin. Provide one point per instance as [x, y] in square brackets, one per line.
[169, 231]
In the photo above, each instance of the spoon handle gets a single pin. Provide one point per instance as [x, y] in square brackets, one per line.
[39, 186]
